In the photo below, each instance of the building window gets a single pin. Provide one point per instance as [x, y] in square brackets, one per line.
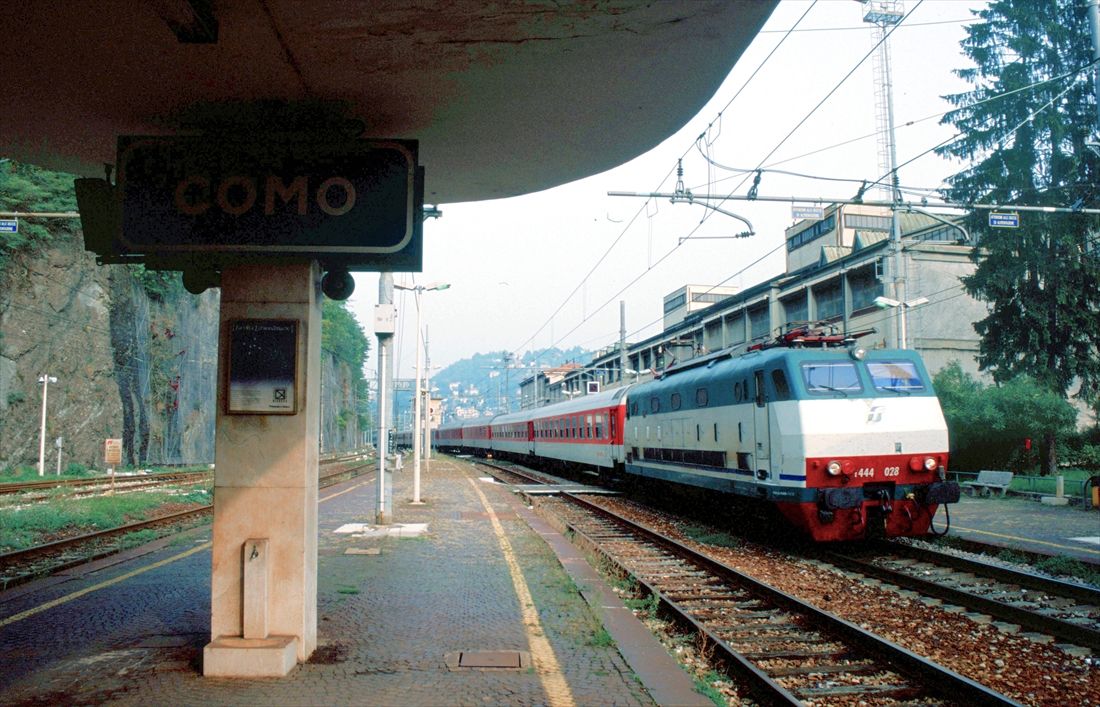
[865, 288]
[811, 233]
[735, 329]
[759, 326]
[867, 222]
[675, 303]
[829, 299]
[707, 297]
[796, 308]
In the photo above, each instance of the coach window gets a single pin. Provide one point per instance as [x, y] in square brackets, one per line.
[588, 427]
[599, 426]
[779, 382]
[701, 397]
[674, 401]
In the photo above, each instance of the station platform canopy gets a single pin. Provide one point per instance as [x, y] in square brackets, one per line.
[505, 98]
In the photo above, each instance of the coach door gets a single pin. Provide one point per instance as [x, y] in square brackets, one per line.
[762, 451]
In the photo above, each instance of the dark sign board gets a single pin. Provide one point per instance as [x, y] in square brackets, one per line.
[263, 367]
[356, 203]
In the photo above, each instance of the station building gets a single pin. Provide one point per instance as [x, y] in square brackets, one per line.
[836, 268]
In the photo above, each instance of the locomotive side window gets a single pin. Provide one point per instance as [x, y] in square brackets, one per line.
[654, 404]
[779, 382]
[830, 377]
[674, 401]
[701, 398]
[898, 376]
[758, 381]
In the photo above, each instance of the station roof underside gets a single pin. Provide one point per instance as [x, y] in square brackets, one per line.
[505, 98]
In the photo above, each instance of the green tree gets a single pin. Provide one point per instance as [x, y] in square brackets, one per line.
[1042, 280]
[24, 187]
[988, 426]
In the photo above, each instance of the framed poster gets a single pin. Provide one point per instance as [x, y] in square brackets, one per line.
[263, 367]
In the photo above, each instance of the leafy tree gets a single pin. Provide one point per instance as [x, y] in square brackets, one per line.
[1042, 280]
[24, 187]
[988, 426]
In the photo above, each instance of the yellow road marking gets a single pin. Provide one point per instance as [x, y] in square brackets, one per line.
[102, 585]
[546, 663]
[123, 577]
[1027, 540]
[341, 493]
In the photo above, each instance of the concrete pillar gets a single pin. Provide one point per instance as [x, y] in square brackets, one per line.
[265, 487]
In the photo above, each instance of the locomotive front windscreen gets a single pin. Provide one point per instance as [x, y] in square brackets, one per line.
[831, 377]
[898, 376]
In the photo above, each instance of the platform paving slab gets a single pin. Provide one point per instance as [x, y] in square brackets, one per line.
[387, 621]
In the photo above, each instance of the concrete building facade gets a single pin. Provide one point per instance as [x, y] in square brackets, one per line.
[837, 267]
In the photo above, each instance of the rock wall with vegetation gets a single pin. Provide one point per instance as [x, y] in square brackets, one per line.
[134, 354]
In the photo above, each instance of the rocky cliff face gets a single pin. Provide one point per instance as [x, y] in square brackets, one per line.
[135, 357]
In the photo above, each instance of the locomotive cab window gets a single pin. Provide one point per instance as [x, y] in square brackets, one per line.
[779, 382]
[833, 377]
[897, 376]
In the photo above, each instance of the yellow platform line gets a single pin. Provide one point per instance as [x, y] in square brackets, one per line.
[546, 663]
[1028, 540]
[102, 585]
[133, 573]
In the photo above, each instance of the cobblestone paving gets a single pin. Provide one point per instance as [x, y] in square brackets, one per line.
[386, 620]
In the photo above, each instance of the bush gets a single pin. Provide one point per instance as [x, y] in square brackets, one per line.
[988, 426]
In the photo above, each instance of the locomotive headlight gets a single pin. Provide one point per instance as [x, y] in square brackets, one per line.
[930, 463]
[833, 468]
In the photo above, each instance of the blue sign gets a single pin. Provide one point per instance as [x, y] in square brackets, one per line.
[809, 212]
[1004, 220]
[352, 201]
[9, 225]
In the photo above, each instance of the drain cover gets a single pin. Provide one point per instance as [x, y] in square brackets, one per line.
[489, 659]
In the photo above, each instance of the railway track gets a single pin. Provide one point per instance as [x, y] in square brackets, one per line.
[1067, 611]
[21, 566]
[784, 650]
[132, 481]
[118, 482]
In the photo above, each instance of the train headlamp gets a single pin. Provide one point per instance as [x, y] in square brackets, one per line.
[930, 463]
[833, 468]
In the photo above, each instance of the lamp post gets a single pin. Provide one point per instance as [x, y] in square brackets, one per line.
[417, 409]
[45, 380]
[903, 313]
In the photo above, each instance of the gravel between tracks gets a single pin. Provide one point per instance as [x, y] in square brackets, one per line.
[1031, 672]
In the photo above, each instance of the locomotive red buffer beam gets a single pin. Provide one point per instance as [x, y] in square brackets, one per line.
[901, 499]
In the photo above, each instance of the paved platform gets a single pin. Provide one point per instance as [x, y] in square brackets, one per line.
[471, 578]
[1073, 531]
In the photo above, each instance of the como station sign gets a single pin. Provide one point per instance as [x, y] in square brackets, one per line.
[353, 203]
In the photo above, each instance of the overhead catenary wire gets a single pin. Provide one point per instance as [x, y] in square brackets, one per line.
[643, 208]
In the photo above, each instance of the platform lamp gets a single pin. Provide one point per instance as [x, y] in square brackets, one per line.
[888, 303]
[45, 380]
[417, 290]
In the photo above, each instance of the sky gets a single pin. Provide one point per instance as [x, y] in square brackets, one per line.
[549, 268]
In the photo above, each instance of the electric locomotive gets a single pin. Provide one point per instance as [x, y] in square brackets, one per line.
[845, 443]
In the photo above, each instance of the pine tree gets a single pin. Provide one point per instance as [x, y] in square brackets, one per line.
[1041, 281]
